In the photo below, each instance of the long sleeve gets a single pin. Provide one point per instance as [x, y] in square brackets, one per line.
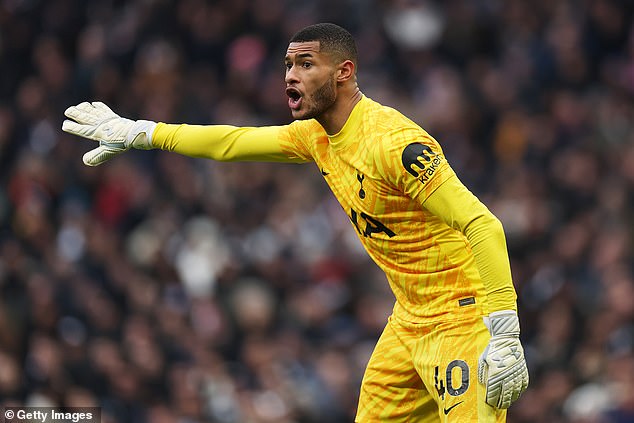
[462, 210]
[230, 143]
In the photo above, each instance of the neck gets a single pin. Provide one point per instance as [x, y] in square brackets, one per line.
[336, 116]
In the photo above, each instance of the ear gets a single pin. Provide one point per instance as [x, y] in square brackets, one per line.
[345, 71]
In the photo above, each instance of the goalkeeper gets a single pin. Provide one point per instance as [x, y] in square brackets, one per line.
[450, 351]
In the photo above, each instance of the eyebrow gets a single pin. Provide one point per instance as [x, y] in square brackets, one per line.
[299, 55]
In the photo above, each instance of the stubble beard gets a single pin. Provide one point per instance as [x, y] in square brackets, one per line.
[323, 98]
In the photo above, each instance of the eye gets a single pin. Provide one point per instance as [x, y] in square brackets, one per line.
[307, 65]
[288, 66]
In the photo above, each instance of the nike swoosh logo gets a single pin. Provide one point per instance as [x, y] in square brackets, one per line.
[447, 410]
[323, 172]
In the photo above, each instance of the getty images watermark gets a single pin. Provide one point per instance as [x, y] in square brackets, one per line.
[52, 414]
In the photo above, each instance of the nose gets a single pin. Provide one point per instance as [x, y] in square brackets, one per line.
[291, 76]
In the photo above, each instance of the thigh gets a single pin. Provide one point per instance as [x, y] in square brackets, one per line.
[447, 361]
[392, 390]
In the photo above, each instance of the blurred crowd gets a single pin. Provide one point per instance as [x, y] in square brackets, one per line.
[168, 289]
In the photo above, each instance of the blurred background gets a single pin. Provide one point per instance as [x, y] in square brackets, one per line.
[167, 289]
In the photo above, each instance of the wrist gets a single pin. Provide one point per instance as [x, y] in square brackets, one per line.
[501, 313]
[140, 134]
[503, 323]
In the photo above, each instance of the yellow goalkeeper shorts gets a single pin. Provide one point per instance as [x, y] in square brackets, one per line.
[427, 373]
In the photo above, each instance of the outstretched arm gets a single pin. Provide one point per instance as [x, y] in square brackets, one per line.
[116, 134]
[224, 142]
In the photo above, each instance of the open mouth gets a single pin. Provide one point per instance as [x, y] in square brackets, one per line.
[294, 98]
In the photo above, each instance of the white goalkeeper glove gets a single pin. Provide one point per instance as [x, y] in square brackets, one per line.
[502, 367]
[115, 134]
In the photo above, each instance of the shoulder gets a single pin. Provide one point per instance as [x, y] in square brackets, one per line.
[305, 133]
[394, 132]
[385, 113]
[401, 148]
[389, 123]
[306, 129]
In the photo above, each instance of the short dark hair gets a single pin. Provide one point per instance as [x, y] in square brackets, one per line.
[332, 38]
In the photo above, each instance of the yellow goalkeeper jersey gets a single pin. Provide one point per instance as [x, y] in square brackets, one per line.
[382, 167]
